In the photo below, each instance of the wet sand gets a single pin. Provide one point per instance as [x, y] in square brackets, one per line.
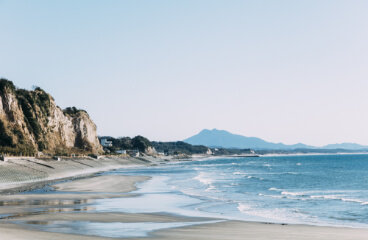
[102, 184]
[237, 230]
[105, 186]
[225, 230]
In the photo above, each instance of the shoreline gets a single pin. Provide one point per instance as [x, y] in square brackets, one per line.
[25, 174]
[91, 188]
[309, 154]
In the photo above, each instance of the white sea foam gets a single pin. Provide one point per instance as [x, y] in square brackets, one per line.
[272, 196]
[332, 197]
[244, 207]
[203, 179]
[276, 189]
[292, 173]
[256, 177]
[339, 197]
[276, 214]
[299, 194]
[192, 193]
[211, 187]
[352, 200]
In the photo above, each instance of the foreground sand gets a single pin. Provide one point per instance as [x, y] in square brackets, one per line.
[245, 230]
[105, 186]
[224, 230]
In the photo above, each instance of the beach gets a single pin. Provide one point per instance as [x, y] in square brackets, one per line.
[79, 207]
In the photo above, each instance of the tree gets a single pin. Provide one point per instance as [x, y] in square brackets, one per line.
[141, 143]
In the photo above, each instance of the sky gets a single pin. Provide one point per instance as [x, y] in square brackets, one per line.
[284, 71]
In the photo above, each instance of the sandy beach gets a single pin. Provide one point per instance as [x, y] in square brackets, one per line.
[64, 208]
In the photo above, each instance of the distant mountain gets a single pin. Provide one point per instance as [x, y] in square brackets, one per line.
[222, 138]
[350, 146]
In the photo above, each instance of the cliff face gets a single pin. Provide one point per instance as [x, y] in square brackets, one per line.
[30, 121]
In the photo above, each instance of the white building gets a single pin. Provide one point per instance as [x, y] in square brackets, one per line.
[134, 153]
[121, 151]
[106, 143]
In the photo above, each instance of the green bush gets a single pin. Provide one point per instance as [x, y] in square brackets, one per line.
[179, 147]
[140, 143]
[5, 139]
[72, 111]
[5, 83]
[26, 102]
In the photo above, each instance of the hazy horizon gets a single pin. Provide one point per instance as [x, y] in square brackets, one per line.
[285, 71]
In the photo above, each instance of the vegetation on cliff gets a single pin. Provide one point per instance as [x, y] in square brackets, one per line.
[6, 85]
[73, 111]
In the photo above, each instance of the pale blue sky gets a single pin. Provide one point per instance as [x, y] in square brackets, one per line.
[285, 71]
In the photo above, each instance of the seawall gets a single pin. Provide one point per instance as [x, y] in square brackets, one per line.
[24, 171]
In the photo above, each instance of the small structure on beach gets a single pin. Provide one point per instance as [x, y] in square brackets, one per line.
[95, 156]
[168, 152]
[121, 151]
[3, 158]
[133, 153]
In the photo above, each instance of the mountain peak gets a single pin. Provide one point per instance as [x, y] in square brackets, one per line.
[225, 139]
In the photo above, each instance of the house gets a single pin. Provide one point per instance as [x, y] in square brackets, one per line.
[168, 152]
[106, 143]
[121, 151]
[134, 153]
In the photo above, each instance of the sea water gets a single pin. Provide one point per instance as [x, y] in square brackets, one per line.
[330, 190]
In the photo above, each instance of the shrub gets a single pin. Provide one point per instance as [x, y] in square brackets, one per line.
[72, 111]
[5, 83]
[5, 139]
[141, 143]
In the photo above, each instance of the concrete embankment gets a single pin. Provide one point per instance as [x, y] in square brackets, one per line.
[23, 172]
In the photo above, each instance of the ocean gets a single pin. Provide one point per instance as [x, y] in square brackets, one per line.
[327, 190]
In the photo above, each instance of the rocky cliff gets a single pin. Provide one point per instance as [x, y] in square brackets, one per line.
[30, 121]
